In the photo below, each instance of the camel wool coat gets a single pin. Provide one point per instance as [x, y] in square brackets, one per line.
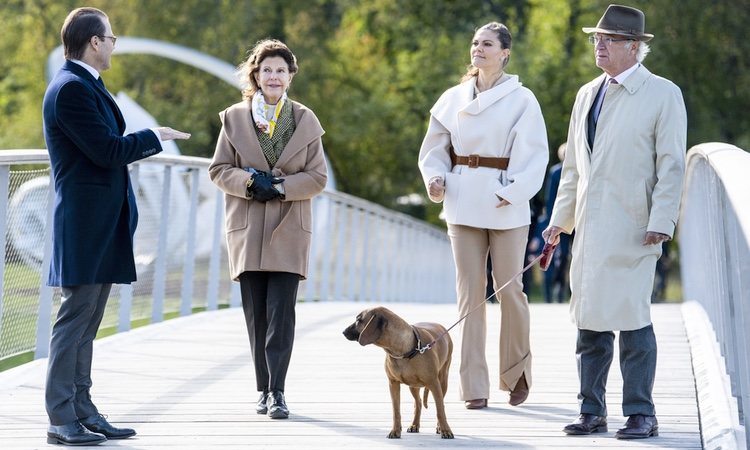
[628, 184]
[273, 236]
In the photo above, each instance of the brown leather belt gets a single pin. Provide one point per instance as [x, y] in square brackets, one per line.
[474, 161]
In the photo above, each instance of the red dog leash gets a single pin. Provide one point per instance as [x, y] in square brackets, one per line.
[545, 259]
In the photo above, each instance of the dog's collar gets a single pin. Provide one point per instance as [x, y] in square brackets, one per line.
[414, 352]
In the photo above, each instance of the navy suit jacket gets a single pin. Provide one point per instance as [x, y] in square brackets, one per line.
[95, 213]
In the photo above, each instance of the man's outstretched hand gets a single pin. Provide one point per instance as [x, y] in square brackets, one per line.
[168, 134]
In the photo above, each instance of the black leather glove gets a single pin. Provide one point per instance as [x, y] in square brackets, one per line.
[262, 187]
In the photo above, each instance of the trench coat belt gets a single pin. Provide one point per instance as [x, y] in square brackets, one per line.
[479, 161]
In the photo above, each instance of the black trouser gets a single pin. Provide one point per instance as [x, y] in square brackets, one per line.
[71, 350]
[594, 352]
[268, 299]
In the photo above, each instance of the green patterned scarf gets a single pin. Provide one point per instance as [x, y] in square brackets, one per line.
[273, 146]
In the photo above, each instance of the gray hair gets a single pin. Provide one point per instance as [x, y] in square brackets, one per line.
[643, 50]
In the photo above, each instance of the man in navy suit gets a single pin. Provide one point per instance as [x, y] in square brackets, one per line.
[94, 222]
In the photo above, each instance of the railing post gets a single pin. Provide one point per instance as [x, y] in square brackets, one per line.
[212, 291]
[44, 319]
[342, 220]
[160, 271]
[365, 268]
[376, 275]
[355, 237]
[189, 262]
[236, 296]
[4, 183]
[313, 271]
[126, 290]
[327, 251]
[389, 282]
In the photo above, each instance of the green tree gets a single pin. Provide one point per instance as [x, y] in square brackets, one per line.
[372, 69]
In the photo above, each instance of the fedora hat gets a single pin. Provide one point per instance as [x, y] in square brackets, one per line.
[623, 21]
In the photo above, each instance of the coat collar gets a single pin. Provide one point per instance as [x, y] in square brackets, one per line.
[460, 98]
[631, 84]
[81, 72]
[636, 79]
[239, 126]
[78, 70]
[85, 74]
[489, 97]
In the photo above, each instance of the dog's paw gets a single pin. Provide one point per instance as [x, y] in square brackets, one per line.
[447, 434]
[413, 429]
[394, 434]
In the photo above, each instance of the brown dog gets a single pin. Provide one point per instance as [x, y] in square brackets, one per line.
[405, 364]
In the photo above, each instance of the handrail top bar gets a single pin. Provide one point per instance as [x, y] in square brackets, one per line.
[40, 156]
[731, 164]
[24, 156]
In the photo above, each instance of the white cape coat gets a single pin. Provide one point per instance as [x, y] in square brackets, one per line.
[504, 121]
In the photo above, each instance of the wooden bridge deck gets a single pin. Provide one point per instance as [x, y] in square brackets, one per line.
[188, 384]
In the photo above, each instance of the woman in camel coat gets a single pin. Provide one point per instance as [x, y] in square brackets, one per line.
[269, 163]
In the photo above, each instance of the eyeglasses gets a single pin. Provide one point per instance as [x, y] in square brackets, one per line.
[114, 38]
[594, 40]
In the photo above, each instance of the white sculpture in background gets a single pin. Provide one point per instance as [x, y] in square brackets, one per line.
[28, 210]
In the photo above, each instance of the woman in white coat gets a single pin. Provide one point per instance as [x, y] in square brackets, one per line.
[484, 156]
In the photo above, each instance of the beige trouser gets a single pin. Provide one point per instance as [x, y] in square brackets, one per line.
[507, 249]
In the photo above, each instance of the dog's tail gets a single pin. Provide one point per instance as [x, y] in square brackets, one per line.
[426, 391]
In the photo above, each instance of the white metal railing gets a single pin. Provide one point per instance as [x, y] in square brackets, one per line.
[360, 251]
[715, 264]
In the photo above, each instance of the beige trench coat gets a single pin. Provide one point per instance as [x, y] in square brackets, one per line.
[630, 183]
[275, 235]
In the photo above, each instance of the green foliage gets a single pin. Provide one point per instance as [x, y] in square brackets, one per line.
[372, 69]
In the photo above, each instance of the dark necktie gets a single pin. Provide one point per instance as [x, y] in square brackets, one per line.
[596, 109]
[600, 99]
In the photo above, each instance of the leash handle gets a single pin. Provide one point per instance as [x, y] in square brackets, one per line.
[528, 266]
[546, 258]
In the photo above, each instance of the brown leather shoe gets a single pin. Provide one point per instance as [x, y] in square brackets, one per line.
[639, 426]
[587, 424]
[520, 393]
[477, 403]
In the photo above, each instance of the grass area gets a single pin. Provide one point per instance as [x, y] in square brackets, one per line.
[16, 360]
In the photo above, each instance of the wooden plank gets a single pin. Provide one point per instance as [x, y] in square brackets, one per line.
[188, 383]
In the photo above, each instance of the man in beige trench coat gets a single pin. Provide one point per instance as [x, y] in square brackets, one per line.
[620, 191]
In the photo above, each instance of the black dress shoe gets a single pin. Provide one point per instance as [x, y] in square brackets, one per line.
[277, 406]
[73, 434]
[98, 424]
[587, 424]
[261, 407]
[639, 426]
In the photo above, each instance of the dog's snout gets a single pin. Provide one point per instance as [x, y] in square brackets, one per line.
[351, 333]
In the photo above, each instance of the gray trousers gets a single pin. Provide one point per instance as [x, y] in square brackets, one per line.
[268, 300]
[594, 353]
[67, 396]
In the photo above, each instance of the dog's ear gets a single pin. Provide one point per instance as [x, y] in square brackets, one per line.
[372, 330]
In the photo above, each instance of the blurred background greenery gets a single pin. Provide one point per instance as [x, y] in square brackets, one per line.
[371, 69]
